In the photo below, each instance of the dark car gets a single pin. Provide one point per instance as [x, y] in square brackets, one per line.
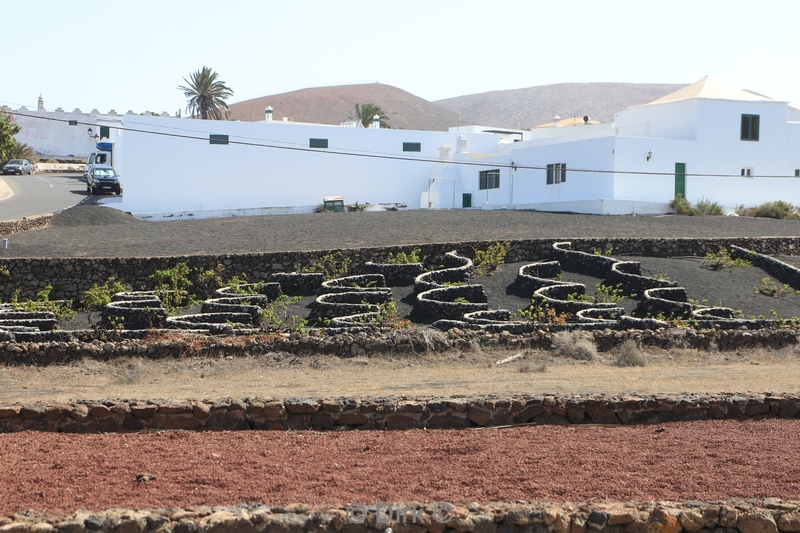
[103, 178]
[18, 166]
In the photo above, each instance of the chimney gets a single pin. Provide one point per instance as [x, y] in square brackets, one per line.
[461, 145]
[376, 122]
[268, 113]
[556, 121]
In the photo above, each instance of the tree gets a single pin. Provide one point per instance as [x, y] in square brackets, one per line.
[206, 94]
[8, 128]
[366, 113]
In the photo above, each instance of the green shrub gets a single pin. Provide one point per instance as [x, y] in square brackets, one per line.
[682, 206]
[707, 207]
[778, 209]
[723, 259]
[99, 296]
[172, 285]
[332, 265]
[403, 258]
[770, 288]
[488, 260]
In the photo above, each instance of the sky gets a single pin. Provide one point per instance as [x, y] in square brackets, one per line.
[132, 55]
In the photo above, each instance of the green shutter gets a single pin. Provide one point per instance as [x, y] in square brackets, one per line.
[105, 132]
[217, 139]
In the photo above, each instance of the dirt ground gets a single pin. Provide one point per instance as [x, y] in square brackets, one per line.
[711, 460]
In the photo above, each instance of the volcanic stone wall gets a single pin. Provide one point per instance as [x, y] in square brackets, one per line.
[769, 515]
[71, 277]
[390, 413]
[10, 227]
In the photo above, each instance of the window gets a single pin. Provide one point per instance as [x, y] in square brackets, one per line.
[412, 147]
[489, 179]
[217, 139]
[747, 172]
[797, 173]
[556, 173]
[318, 143]
[750, 127]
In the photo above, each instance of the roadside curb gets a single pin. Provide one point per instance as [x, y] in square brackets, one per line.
[5, 192]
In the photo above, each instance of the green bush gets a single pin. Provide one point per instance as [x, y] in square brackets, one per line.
[723, 259]
[488, 260]
[778, 209]
[707, 207]
[682, 206]
[98, 296]
[403, 258]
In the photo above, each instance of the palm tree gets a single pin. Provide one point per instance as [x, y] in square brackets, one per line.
[366, 113]
[206, 95]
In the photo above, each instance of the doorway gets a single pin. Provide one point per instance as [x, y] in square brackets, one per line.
[680, 179]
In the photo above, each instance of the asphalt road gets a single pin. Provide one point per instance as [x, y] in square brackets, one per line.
[39, 194]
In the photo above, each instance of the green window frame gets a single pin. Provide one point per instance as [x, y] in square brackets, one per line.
[317, 143]
[556, 173]
[750, 127]
[412, 147]
[489, 179]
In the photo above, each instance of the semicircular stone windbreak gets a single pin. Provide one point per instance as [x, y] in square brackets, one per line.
[776, 268]
[456, 269]
[357, 307]
[557, 297]
[401, 273]
[445, 293]
[537, 275]
[214, 323]
[245, 298]
[134, 310]
[22, 321]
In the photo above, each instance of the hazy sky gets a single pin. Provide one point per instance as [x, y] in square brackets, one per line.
[124, 54]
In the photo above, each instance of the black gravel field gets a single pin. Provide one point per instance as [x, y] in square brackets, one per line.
[95, 231]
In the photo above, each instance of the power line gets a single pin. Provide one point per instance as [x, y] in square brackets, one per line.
[262, 143]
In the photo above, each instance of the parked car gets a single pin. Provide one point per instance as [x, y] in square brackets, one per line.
[103, 178]
[18, 166]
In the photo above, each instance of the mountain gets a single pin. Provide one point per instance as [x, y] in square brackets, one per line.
[515, 108]
[526, 108]
[336, 104]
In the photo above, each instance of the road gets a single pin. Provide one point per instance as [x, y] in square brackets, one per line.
[39, 194]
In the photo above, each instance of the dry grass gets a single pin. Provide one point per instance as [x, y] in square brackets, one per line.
[474, 373]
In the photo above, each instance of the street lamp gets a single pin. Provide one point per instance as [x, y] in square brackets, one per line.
[92, 135]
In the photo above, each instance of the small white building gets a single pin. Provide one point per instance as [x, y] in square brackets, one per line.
[707, 140]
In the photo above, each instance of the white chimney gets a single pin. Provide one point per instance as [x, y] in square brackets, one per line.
[444, 152]
[556, 120]
[268, 112]
[461, 145]
[376, 122]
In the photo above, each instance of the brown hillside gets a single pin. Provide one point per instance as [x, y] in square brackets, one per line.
[336, 104]
[526, 108]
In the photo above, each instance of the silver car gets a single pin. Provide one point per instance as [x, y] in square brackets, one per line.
[18, 166]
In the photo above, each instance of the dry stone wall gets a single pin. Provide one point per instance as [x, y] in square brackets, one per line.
[11, 227]
[769, 515]
[389, 413]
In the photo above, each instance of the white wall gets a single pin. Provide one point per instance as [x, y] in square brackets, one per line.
[168, 164]
[49, 132]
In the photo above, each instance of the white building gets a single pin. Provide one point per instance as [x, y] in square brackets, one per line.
[707, 140]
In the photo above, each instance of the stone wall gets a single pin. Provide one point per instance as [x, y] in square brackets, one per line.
[731, 516]
[390, 413]
[59, 347]
[11, 227]
[71, 277]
